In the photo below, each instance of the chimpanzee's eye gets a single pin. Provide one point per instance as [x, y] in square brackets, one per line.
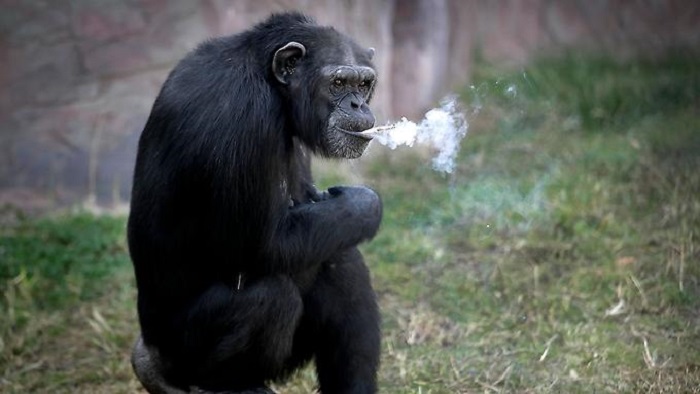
[338, 82]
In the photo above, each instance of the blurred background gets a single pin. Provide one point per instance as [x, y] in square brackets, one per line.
[79, 76]
[560, 255]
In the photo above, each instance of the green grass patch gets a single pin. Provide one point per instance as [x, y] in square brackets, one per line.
[55, 275]
[595, 93]
[63, 259]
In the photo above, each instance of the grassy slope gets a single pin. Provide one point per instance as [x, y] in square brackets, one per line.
[575, 195]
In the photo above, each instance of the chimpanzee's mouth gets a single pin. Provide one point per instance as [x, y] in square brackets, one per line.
[367, 134]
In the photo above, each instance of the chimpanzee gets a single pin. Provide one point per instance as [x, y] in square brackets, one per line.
[245, 271]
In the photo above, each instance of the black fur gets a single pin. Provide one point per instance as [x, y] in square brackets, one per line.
[244, 271]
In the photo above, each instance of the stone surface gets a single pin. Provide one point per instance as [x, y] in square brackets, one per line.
[78, 77]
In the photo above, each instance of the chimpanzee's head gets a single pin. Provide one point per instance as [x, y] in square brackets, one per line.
[329, 80]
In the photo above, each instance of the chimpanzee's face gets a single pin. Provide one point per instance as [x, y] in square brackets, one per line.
[349, 89]
[330, 88]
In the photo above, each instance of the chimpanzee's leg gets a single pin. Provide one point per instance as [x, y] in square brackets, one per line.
[233, 339]
[342, 308]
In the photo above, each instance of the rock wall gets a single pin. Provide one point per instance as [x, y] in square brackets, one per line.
[78, 77]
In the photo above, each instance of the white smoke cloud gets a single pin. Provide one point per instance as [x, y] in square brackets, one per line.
[442, 129]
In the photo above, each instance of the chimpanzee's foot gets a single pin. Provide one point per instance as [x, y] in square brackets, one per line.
[149, 370]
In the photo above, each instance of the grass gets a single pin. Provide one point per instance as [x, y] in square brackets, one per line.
[562, 255]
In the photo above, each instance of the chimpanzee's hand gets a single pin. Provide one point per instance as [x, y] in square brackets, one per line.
[362, 203]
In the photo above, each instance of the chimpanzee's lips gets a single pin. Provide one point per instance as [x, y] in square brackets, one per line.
[359, 134]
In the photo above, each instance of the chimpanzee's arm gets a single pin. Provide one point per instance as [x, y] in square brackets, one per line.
[311, 233]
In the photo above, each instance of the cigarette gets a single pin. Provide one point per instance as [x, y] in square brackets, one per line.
[378, 130]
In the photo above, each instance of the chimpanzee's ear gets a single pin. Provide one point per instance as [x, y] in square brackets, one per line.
[370, 53]
[285, 60]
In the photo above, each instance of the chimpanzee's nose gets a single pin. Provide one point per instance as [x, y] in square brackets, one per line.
[358, 103]
[355, 102]
[363, 112]
[355, 106]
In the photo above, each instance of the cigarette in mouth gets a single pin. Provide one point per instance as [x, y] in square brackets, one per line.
[378, 130]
